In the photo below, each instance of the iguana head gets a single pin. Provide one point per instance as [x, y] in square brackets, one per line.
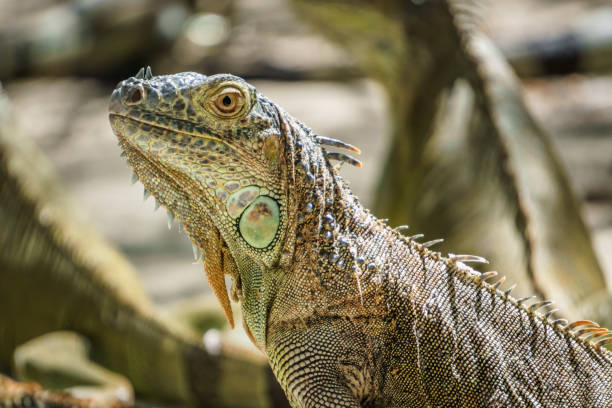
[212, 151]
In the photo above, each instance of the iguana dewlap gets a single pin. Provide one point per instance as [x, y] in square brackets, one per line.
[349, 311]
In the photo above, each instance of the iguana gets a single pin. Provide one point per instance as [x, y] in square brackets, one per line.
[350, 312]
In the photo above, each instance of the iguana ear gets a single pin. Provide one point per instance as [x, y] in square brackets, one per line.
[213, 266]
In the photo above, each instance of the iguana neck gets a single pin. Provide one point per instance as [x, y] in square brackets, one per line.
[326, 225]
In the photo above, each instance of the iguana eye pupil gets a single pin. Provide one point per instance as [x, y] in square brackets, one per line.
[228, 101]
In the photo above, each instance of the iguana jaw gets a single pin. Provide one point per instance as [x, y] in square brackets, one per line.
[195, 165]
[191, 212]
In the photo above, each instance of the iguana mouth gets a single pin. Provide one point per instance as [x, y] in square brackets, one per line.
[174, 125]
[145, 121]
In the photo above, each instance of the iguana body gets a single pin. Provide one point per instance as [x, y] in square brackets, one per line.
[349, 312]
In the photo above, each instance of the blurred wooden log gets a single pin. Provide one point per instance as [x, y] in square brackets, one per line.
[60, 361]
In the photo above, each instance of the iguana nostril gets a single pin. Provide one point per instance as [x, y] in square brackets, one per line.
[135, 96]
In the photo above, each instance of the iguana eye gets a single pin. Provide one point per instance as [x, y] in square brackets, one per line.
[228, 102]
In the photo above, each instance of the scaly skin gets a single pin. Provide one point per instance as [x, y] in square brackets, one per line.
[349, 312]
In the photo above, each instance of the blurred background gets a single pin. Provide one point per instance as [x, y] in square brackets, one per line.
[60, 60]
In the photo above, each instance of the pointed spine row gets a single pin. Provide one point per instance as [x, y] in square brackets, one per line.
[584, 330]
